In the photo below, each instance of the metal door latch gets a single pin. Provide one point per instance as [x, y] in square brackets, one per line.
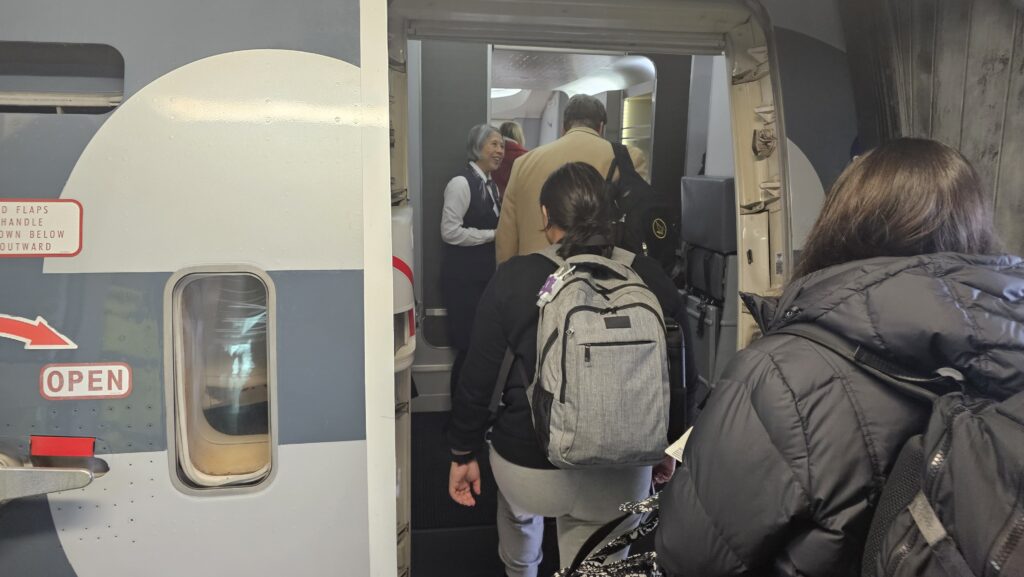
[18, 480]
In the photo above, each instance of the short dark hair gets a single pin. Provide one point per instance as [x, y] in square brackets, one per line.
[907, 197]
[584, 110]
[577, 202]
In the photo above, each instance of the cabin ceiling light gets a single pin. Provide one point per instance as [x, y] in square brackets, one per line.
[504, 92]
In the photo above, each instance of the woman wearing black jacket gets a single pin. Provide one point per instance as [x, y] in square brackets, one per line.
[785, 463]
[576, 216]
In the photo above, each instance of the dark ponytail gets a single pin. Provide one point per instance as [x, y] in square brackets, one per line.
[577, 202]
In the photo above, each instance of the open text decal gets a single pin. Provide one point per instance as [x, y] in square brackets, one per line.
[40, 228]
[59, 382]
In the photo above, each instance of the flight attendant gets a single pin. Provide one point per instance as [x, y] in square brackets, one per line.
[472, 203]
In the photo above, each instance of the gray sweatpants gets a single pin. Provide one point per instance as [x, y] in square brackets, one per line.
[579, 500]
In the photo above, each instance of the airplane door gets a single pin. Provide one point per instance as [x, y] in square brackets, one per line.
[187, 239]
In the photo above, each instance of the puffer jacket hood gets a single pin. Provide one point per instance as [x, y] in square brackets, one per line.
[923, 313]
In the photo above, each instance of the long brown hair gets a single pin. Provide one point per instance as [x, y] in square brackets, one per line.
[907, 197]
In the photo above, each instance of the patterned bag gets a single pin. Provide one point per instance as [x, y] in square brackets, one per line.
[640, 565]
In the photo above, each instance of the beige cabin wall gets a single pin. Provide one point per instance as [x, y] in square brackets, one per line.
[952, 70]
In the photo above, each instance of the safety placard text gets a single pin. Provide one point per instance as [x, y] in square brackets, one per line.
[40, 228]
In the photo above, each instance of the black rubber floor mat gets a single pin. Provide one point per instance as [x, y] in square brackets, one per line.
[471, 552]
[449, 540]
[432, 508]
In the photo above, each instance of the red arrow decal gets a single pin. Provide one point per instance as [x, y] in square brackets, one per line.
[35, 334]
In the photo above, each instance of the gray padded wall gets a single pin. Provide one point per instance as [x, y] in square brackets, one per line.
[671, 107]
[454, 98]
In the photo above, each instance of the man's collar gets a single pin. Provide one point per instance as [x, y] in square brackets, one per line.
[586, 129]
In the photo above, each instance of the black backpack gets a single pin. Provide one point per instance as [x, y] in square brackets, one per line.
[953, 504]
[645, 221]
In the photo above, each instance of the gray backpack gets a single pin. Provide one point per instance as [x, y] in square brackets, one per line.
[600, 394]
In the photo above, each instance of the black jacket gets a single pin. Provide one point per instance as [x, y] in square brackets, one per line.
[507, 318]
[786, 461]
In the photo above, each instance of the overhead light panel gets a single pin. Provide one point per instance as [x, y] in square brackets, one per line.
[504, 92]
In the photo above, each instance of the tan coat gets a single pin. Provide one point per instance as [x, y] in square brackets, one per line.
[520, 228]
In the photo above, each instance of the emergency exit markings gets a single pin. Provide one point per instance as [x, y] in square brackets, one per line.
[37, 334]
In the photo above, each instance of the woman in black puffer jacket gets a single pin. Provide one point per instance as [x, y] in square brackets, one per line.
[786, 461]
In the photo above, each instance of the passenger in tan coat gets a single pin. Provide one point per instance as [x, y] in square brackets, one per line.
[520, 229]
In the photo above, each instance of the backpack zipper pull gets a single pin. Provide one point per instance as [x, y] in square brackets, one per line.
[586, 354]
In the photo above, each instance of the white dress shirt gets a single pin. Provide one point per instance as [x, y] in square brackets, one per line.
[456, 203]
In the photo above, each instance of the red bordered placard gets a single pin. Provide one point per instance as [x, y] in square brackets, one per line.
[81, 212]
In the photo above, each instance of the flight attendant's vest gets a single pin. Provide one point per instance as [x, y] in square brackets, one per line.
[480, 214]
[473, 262]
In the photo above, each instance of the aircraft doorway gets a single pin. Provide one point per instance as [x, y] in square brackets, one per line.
[656, 103]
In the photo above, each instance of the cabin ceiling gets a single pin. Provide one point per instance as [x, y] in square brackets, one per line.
[536, 73]
[674, 26]
[544, 70]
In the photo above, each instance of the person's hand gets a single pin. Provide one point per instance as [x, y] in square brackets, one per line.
[663, 471]
[464, 482]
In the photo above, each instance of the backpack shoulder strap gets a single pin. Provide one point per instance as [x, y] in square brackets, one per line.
[911, 384]
[610, 177]
[504, 374]
[621, 255]
[622, 158]
[551, 253]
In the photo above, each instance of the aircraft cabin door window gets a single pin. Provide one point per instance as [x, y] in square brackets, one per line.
[222, 324]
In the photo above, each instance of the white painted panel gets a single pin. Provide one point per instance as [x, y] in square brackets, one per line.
[403, 249]
[380, 471]
[551, 119]
[698, 117]
[806, 194]
[755, 261]
[720, 160]
[311, 519]
[248, 157]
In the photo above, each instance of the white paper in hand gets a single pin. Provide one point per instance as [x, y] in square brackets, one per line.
[675, 450]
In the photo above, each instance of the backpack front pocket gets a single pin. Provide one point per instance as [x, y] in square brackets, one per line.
[616, 398]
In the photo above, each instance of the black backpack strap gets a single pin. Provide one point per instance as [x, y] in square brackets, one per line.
[622, 162]
[610, 177]
[908, 382]
[593, 541]
[622, 158]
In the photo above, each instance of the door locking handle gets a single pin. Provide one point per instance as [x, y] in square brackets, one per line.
[17, 480]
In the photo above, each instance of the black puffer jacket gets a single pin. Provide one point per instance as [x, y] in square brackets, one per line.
[789, 455]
